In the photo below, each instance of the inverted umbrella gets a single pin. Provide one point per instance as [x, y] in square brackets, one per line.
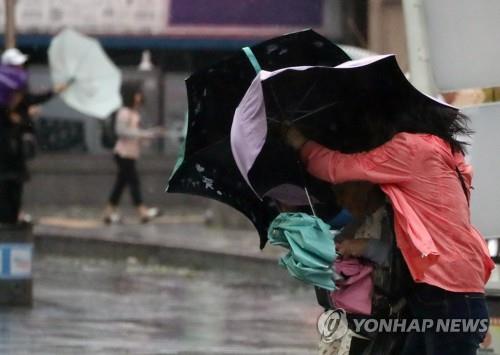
[333, 105]
[95, 80]
[312, 251]
[206, 166]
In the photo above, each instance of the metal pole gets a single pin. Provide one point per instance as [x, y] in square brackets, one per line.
[418, 48]
[10, 24]
[161, 96]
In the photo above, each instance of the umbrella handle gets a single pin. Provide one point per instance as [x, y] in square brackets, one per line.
[309, 201]
[311, 206]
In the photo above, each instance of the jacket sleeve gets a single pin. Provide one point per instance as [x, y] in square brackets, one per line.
[38, 98]
[388, 163]
[124, 129]
[377, 251]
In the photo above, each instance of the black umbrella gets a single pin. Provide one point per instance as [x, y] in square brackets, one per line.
[207, 167]
[334, 106]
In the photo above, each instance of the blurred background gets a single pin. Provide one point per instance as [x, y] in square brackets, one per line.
[160, 42]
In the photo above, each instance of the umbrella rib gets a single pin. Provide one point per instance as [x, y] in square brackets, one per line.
[314, 112]
[282, 113]
[273, 120]
[305, 96]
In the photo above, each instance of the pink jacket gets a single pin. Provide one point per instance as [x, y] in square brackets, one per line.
[431, 214]
[130, 135]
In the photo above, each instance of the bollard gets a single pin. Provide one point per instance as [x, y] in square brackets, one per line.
[16, 255]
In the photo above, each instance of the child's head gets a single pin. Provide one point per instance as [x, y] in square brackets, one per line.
[361, 198]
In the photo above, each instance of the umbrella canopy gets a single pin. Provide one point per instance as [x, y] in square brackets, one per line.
[334, 106]
[312, 251]
[95, 80]
[12, 79]
[206, 166]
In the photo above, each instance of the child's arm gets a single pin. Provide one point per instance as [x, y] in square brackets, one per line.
[376, 251]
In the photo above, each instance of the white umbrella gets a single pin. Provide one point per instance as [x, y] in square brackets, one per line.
[95, 80]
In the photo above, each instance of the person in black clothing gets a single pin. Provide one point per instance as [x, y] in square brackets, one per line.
[16, 146]
[12, 168]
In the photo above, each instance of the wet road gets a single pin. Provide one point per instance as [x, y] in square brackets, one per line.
[100, 307]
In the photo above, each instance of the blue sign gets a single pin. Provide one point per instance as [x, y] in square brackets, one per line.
[16, 260]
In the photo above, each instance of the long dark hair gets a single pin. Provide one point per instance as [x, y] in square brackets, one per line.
[128, 91]
[367, 123]
[448, 123]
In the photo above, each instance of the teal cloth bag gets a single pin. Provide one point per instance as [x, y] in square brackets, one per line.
[312, 250]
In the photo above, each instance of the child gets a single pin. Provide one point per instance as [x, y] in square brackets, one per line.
[369, 237]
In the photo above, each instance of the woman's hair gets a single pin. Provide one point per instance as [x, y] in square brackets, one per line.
[429, 117]
[370, 122]
[448, 123]
[128, 91]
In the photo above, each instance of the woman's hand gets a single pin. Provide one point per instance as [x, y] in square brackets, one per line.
[352, 247]
[59, 88]
[34, 111]
[295, 138]
[15, 118]
[159, 131]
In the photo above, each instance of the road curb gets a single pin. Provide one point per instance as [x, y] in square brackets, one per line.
[89, 247]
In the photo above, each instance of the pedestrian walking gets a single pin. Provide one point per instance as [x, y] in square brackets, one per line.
[126, 152]
[419, 164]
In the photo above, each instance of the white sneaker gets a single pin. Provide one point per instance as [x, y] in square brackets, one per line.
[112, 218]
[151, 213]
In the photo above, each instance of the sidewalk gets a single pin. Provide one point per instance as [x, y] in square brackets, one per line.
[178, 236]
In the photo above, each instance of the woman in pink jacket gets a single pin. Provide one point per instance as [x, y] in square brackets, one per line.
[419, 164]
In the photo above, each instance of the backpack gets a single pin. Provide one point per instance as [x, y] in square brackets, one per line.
[108, 132]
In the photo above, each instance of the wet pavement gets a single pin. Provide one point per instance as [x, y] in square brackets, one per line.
[100, 307]
[175, 230]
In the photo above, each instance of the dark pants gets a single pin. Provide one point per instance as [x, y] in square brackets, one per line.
[127, 175]
[428, 302]
[10, 201]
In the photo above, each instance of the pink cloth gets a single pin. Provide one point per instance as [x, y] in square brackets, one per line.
[130, 136]
[354, 295]
[432, 217]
